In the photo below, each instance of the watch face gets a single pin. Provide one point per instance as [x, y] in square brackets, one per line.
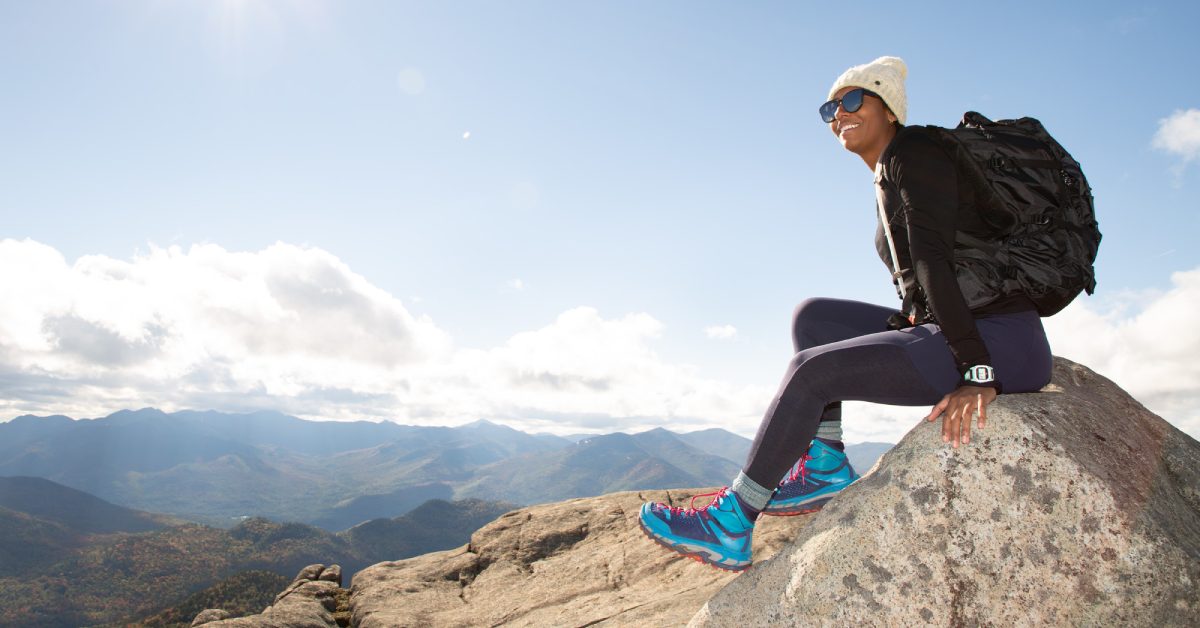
[979, 374]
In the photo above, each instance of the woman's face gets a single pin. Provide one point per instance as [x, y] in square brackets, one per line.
[867, 130]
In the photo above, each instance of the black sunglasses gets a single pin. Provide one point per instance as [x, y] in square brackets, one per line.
[851, 102]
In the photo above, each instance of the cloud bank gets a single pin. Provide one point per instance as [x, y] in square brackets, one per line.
[1145, 342]
[294, 329]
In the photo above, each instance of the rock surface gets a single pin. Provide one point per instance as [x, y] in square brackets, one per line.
[574, 563]
[311, 601]
[1074, 506]
[210, 615]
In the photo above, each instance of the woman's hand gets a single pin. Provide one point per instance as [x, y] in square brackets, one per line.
[958, 406]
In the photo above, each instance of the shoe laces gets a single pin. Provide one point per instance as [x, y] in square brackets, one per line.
[692, 510]
[801, 472]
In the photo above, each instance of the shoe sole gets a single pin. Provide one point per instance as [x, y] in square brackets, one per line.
[698, 554]
[806, 508]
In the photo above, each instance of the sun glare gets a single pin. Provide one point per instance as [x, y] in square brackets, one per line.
[249, 33]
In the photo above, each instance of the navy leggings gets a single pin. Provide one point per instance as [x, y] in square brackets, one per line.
[844, 351]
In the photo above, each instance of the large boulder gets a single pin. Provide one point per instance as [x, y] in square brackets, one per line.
[1074, 506]
[313, 600]
[575, 563]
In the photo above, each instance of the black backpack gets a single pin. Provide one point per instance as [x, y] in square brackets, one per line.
[1033, 193]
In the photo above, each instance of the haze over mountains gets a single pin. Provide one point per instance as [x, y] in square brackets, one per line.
[72, 559]
[220, 468]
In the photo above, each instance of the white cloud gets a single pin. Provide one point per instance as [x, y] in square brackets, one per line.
[1145, 342]
[294, 329]
[516, 284]
[588, 367]
[171, 327]
[721, 332]
[870, 422]
[1179, 134]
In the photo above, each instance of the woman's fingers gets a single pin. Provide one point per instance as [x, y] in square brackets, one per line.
[938, 409]
[950, 423]
[957, 409]
[968, 410]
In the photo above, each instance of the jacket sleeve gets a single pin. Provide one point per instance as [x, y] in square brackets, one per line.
[927, 182]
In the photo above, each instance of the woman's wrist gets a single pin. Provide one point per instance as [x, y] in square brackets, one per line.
[979, 376]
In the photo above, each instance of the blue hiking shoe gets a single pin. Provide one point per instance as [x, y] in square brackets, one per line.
[821, 474]
[718, 534]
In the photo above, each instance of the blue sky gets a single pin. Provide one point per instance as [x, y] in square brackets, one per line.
[470, 184]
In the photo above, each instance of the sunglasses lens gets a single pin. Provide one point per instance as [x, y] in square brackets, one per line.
[853, 100]
[829, 110]
[850, 103]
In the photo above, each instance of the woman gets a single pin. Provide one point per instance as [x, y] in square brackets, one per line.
[935, 352]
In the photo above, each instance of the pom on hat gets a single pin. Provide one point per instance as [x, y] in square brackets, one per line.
[884, 76]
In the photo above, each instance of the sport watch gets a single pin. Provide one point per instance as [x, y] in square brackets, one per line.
[980, 374]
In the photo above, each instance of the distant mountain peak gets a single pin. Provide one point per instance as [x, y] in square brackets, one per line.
[712, 430]
[26, 419]
[140, 414]
[484, 423]
[148, 410]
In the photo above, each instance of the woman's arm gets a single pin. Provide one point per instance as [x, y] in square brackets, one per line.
[927, 182]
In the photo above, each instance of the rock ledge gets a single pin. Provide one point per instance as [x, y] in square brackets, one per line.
[315, 599]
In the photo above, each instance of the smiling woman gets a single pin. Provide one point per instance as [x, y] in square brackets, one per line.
[935, 352]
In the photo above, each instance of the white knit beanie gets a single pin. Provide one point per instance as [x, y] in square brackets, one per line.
[884, 76]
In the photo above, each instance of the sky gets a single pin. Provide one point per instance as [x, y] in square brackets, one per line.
[561, 216]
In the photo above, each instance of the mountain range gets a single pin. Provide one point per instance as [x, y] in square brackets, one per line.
[218, 469]
[244, 496]
[72, 559]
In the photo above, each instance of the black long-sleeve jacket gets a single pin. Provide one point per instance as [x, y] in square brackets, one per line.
[926, 197]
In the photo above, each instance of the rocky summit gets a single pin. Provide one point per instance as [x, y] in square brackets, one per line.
[1074, 506]
[576, 563]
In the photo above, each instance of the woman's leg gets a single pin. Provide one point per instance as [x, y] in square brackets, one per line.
[877, 368]
[907, 367]
[820, 321]
[864, 368]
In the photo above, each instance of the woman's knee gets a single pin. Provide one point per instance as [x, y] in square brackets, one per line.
[809, 309]
[806, 314]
